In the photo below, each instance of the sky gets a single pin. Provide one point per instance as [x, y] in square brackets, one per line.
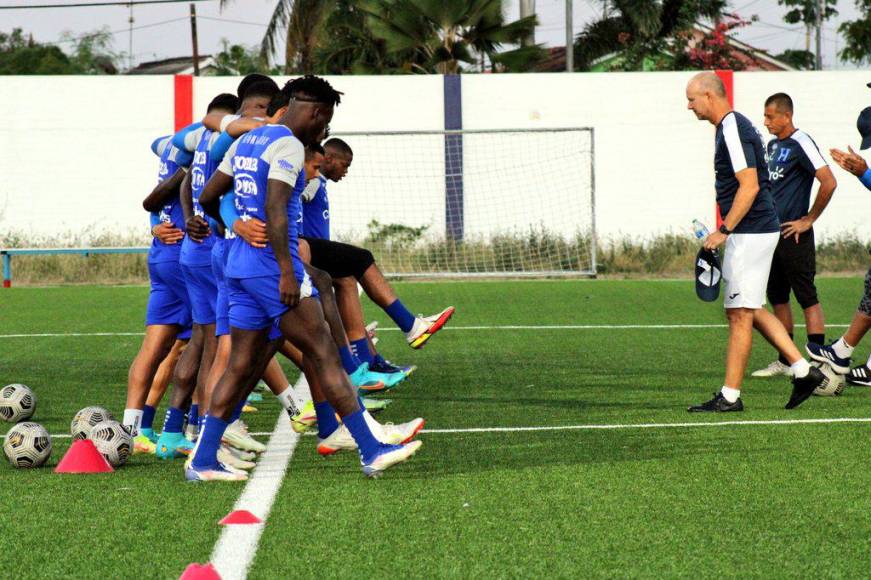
[163, 30]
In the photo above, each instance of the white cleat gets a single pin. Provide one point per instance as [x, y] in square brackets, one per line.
[775, 369]
[237, 436]
[402, 433]
[425, 327]
[390, 457]
[338, 440]
[226, 456]
[222, 473]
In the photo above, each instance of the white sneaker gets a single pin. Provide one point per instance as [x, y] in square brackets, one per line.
[775, 369]
[402, 433]
[222, 473]
[226, 456]
[237, 436]
[243, 455]
[390, 458]
[425, 327]
[338, 440]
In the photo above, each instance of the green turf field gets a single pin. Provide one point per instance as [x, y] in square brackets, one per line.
[750, 500]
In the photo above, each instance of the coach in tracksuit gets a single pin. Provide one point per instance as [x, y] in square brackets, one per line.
[794, 162]
[750, 231]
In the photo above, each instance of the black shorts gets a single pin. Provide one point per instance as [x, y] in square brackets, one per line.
[339, 260]
[793, 268]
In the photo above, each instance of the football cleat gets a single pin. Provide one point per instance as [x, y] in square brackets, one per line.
[229, 459]
[388, 367]
[402, 433]
[826, 354]
[389, 456]
[338, 440]
[375, 405]
[718, 404]
[362, 380]
[425, 327]
[172, 445]
[143, 445]
[236, 435]
[148, 432]
[860, 376]
[775, 369]
[804, 387]
[246, 408]
[254, 398]
[218, 473]
[305, 419]
[386, 381]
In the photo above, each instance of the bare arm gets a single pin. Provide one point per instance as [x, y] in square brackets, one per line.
[241, 126]
[210, 196]
[748, 188]
[163, 190]
[277, 195]
[197, 228]
[212, 121]
[824, 195]
[185, 198]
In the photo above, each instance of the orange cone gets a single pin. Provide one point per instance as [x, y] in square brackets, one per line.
[83, 457]
[240, 517]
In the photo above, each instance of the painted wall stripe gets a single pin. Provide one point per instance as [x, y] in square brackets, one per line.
[184, 101]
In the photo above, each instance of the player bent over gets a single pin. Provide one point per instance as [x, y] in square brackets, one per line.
[750, 231]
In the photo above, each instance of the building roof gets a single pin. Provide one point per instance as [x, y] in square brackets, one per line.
[181, 65]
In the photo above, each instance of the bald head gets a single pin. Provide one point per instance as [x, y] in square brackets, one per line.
[708, 82]
[706, 97]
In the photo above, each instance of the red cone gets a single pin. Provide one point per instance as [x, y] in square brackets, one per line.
[240, 517]
[83, 457]
[200, 572]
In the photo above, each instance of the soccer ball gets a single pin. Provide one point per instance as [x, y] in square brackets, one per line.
[17, 402]
[27, 445]
[85, 420]
[836, 383]
[113, 441]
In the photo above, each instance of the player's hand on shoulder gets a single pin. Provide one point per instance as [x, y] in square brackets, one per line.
[167, 233]
[252, 231]
[197, 229]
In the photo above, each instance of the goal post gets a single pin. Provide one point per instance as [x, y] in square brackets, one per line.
[471, 203]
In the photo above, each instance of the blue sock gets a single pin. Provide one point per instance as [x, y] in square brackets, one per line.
[237, 412]
[174, 420]
[327, 422]
[400, 315]
[347, 359]
[206, 454]
[148, 413]
[361, 349]
[379, 360]
[194, 415]
[366, 442]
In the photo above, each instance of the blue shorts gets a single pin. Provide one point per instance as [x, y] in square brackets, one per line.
[222, 302]
[255, 303]
[168, 301]
[202, 291]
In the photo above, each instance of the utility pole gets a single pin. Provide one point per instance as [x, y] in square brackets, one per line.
[570, 39]
[821, 5]
[527, 8]
[130, 40]
[196, 50]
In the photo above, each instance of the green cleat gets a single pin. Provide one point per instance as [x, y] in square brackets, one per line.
[173, 445]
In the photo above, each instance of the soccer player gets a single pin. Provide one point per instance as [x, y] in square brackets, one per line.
[794, 161]
[269, 285]
[750, 231]
[838, 353]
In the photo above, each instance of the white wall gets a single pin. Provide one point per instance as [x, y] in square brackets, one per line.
[74, 150]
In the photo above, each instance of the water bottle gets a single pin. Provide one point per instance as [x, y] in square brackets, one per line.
[700, 230]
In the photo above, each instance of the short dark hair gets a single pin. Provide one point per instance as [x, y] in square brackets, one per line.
[338, 146]
[306, 88]
[250, 80]
[261, 89]
[312, 149]
[782, 101]
[224, 101]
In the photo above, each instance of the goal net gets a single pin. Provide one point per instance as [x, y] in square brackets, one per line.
[517, 202]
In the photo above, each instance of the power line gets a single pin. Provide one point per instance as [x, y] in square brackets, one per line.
[123, 30]
[230, 20]
[91, 4]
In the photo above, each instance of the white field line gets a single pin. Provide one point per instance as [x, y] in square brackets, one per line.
[451, 328]
[235, 549]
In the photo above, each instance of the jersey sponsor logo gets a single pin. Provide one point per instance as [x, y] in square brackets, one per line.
[244, 185]
[164, 171]
[783, 155]
[199, 158]
[198, 178]
[241, 163]
[776, 174]
[326, 215]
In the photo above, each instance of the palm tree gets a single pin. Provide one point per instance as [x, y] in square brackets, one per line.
[441, 35]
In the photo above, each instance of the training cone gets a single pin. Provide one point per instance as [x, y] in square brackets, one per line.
[83, 457]
[240, 517]
[200, 572]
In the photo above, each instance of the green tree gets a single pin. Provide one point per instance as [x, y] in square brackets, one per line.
[800, 59]
[805, 12]
[639, 32]
[352, 48]
[857, 34]
[236, 59]
[90, 54]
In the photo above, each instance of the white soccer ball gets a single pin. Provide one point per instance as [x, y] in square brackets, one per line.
[17, 403]
[84, 421]
[836, 382]
[113, 441]
[27, 445]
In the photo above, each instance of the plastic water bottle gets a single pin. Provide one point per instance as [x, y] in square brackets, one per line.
[700, 230]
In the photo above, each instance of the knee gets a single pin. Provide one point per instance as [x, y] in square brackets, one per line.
[362, 262]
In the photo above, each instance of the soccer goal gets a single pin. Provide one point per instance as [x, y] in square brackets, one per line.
[506, 202]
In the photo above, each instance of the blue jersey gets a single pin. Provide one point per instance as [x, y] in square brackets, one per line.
[792, 168]
[316, 210]
[269, 152]
[738, 146]
[192, 253]
[170, 212]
